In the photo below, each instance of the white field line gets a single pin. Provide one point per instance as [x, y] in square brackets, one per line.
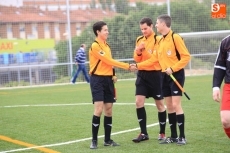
[74, 141]
[44, 105]
[51, 85]
[75, 104]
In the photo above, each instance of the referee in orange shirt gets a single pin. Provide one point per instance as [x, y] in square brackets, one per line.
[102, 82]
[173, 56]
[149, 80]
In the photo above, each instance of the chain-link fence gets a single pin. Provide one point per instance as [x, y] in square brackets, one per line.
[39, 39]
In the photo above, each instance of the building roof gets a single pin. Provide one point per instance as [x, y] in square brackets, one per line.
[32, 14]
[79, 2]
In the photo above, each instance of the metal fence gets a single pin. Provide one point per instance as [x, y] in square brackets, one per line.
[31, 75]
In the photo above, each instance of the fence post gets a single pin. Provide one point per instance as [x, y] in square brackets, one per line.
[30, 75]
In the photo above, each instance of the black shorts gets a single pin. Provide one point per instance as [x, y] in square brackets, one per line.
[102, 88]
[149, 84]
[170, 88]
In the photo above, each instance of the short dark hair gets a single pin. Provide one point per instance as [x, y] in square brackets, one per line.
[82, 45]
[166, 19]
[98, 26]
[146, 20]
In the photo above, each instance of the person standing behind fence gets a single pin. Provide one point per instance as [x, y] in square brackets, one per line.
[149, 80]
[222, 72]
[80, 59]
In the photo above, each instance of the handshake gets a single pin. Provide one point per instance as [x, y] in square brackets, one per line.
[133, 67]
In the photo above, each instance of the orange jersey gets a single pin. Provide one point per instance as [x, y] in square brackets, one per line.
[101, 61]
[167, 52]
[149, 51]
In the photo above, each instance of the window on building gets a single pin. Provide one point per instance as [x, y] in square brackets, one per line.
[57, 31]
[56, 27]
[9, 31]
[66, 33]
[78, 29]
[34, 31]
[66, 28]
[22, 32]
[46, 30]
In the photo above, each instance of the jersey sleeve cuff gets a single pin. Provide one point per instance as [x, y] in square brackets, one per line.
[215, 88]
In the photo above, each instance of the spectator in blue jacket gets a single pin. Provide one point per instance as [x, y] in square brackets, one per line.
[80, 59]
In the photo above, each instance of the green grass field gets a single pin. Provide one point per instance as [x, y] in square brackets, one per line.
[59, 119]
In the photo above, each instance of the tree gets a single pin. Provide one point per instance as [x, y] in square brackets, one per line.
[187, 16]
[109, 4]
[62, 56]
[93, 4]
[227, 2]
[103, 4]
[122, 6]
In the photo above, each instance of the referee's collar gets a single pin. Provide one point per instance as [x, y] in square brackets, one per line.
[100, 42]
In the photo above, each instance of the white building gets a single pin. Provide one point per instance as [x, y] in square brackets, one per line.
[15, 3]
